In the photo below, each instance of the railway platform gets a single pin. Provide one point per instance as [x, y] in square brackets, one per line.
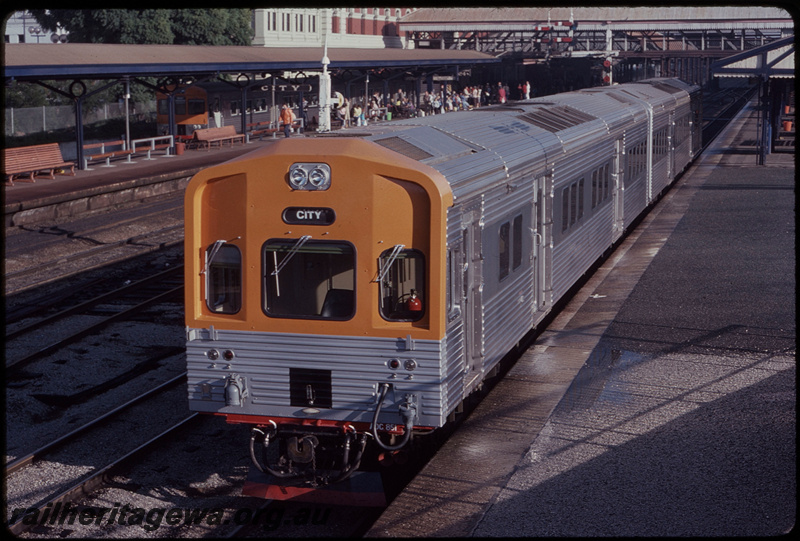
[101, 186]
[661, 400]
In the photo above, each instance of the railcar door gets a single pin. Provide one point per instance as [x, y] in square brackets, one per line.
[537, 254]
[619, 190]
[471, 229]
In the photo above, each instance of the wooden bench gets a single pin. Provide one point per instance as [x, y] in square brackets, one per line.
[97, 151]
[261, 129]
[208, 137]
[32, 160]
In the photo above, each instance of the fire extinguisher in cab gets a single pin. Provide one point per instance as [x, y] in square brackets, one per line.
[414, 304]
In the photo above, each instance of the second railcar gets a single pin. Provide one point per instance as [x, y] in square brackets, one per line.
[191, 110]
[345, 287]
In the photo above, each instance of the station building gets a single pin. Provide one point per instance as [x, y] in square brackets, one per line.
[373, 28]
[21, 27]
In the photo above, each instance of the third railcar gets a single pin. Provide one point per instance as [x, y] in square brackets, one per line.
[340, 287]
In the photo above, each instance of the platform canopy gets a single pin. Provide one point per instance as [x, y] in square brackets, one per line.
[774, 60]
[110, 61]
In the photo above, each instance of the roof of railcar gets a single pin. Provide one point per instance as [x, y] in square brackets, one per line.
[479, 148]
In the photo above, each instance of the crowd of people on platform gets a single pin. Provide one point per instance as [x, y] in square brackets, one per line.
[402, 104]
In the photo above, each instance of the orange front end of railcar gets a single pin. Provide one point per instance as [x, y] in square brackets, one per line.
[376, 200]
[316, 299]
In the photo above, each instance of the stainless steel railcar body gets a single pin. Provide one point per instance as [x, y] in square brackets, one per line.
[501, 210]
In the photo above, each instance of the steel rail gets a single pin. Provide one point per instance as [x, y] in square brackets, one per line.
[116, 293]
[19, 363]
[19, 463]
[97, 479]
[92, 251]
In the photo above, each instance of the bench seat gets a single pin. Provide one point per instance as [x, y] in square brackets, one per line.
[24, 163]
[208, 137]
[97, 151]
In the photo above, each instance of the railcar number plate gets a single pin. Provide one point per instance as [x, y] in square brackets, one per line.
[389, 427]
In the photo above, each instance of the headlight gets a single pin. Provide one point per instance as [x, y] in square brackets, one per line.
[310, 176]
[298, 177]
[320, 177]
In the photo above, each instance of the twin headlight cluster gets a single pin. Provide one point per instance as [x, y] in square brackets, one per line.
[310, 176]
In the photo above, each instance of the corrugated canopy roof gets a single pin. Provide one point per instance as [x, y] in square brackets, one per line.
[428, 17]
[104, 61]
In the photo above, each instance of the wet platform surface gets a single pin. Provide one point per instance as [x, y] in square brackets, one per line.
[661, 400]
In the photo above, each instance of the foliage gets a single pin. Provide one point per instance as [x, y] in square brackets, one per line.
[106, 130]
[165, 26]
[26, 94]
[19, 95]
[212, 26]
[141, 26]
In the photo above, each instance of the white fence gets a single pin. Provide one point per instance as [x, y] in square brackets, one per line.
[30, 120]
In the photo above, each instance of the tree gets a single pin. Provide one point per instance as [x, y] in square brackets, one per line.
[212, 26]
[165, 26]
[143, 26]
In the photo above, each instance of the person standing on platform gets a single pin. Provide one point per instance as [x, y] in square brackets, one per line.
[287, 119]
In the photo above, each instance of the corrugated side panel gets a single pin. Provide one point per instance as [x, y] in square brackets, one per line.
[454, 372]
[588, 154]
[509, 310]
[357, 365]
[634, 197]
[574, 253]
[573, 256]
[661, 171]
[661, 177]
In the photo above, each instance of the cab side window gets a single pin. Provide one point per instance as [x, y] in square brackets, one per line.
[223, 278]
[402, 285]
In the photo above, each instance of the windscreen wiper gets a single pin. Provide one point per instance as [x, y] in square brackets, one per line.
[291, 253]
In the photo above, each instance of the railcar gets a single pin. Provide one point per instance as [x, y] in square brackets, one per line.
[191, 110]
[214, 104]
[346, 291]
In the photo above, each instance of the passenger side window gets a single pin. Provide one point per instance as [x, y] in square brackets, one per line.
[572, 204]
[510, 246]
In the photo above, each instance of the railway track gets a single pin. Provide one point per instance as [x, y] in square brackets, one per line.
[72, 490]
[50, 253]
[128, 301]
[720, 107]
[93, 258]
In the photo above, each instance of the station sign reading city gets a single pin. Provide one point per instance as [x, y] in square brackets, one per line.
[308, 216]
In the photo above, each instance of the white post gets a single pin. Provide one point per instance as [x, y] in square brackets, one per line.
[325, 92]
[127, 96]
